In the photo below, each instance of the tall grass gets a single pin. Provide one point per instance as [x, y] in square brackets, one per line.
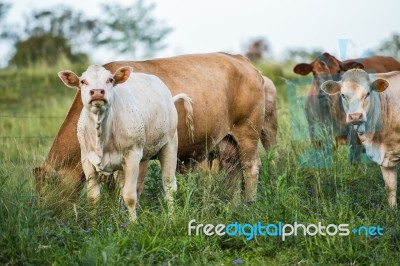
[60, 230]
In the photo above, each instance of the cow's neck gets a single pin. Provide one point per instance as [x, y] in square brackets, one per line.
[374, 116]
[373, 129]
[102, 125]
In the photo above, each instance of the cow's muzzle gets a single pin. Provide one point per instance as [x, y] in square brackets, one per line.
[355, 118]
[97, 96]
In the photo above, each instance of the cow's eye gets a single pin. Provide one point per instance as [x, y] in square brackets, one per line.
[83, 82]
[342, 95]
[367, 94]
[110, 80]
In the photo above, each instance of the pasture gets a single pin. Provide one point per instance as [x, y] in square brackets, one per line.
[62, 229]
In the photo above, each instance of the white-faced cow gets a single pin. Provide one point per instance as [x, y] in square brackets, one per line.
[126, 118]
[325, 113]
[228, 97]
[371, 105]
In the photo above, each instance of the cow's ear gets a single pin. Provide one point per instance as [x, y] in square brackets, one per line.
[331, 87]
[379, 85]
[69, 78]
[303, 69]
[122, 74]
[352, 65]
[333, 61]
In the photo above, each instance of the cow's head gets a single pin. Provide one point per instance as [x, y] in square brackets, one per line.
[96, 84]
[326, 67]
[358, 90]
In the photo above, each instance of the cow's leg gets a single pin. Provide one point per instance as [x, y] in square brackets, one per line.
[390, 177]
[247, 140]
[229, 161]
[142, 174]
[168, 159]
[251, 171]
[93, 185]
[270, 126]
[131, 171]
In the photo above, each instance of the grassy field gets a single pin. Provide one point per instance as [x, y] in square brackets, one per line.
[57, 230]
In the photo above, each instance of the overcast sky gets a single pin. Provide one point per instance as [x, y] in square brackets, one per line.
[227, 25]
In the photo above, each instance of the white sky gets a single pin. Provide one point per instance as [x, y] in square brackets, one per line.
[227, 25]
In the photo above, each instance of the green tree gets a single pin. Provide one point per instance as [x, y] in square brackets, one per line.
[131, 30]
[45, 48]
[302, 55]
[62, 21]
[51, 34]
[5, 32]
[4, 8]
[391, 46]
[63, 32]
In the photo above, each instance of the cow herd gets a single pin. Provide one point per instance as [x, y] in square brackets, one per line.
[187, 109]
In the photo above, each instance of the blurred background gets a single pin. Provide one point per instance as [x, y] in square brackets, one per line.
[48, 31]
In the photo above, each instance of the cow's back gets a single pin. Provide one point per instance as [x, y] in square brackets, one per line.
[143, 110]
[377, 64]
[225, 90]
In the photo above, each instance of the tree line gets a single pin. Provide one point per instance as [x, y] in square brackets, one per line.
[50, 34]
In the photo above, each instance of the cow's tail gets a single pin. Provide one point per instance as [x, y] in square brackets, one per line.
[187, 104]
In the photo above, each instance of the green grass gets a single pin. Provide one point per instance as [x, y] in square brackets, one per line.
[60, 230]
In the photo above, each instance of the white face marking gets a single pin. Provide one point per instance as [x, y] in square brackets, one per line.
[96, 78]
[355, 98]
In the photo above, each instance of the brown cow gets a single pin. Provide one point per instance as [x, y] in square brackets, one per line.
[226, 148]
[228, 99]
[324, 112]
[227, 151]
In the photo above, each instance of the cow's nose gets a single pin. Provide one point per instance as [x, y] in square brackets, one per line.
[97, 93]
[355, 118]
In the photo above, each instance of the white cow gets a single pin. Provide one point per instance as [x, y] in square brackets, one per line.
[371, 103]
[127, 119]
